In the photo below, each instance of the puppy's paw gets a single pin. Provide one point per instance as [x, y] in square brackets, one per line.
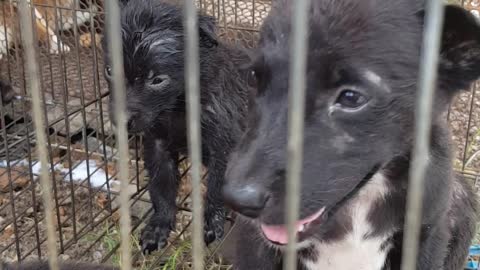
[155, 235]
[214, 224]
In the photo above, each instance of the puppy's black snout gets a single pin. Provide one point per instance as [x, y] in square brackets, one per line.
[247, 200]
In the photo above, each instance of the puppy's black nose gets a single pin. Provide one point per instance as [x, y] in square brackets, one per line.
[248, 200]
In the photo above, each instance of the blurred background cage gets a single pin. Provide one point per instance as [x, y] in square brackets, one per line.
[81, 141]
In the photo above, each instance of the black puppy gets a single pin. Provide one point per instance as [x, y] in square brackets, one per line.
[362, 75]
[153, 51]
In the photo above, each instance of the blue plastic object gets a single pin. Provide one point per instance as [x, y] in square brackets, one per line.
[471, 265]
[473, 255]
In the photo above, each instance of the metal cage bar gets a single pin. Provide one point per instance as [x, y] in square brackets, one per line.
[296, 118]
[423, 115]
[114, 38]
[39, 122]
[192, 78]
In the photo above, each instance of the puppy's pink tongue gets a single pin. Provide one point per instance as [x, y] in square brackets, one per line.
[279, 234]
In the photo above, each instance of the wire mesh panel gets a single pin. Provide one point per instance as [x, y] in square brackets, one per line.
[82, 154]
[80, 142]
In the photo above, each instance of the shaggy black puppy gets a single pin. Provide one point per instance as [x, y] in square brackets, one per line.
[153, 51]
[43, 265]
[362, 75]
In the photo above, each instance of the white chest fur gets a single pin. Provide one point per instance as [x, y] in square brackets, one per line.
[354, 251]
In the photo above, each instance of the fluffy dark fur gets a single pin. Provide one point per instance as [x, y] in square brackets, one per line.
[43, 265]
[153, 50]
[362, 73]
[7, 92]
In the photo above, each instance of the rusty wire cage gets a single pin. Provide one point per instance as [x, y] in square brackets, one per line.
[82, 156]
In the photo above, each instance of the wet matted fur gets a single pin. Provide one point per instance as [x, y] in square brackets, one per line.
[153, 51]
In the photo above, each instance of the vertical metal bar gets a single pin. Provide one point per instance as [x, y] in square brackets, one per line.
[39, 121]
[98, 94]
[75, 4]
[212, 2]
[192, 80]
[235, 24]
[423, 114]
[224, 11]
[49, 59]
[58, 22]
[115, 45]
[7, 157]
[235, 15]
[253, 13]
[297, 85]
[36, 20]
[21, 74]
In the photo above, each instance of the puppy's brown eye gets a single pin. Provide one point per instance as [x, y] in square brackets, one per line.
[252, 79]
[108, 71]
[351, 99]
[157, 80]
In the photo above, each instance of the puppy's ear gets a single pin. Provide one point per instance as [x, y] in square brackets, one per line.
[207, 35]
[460, 50]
